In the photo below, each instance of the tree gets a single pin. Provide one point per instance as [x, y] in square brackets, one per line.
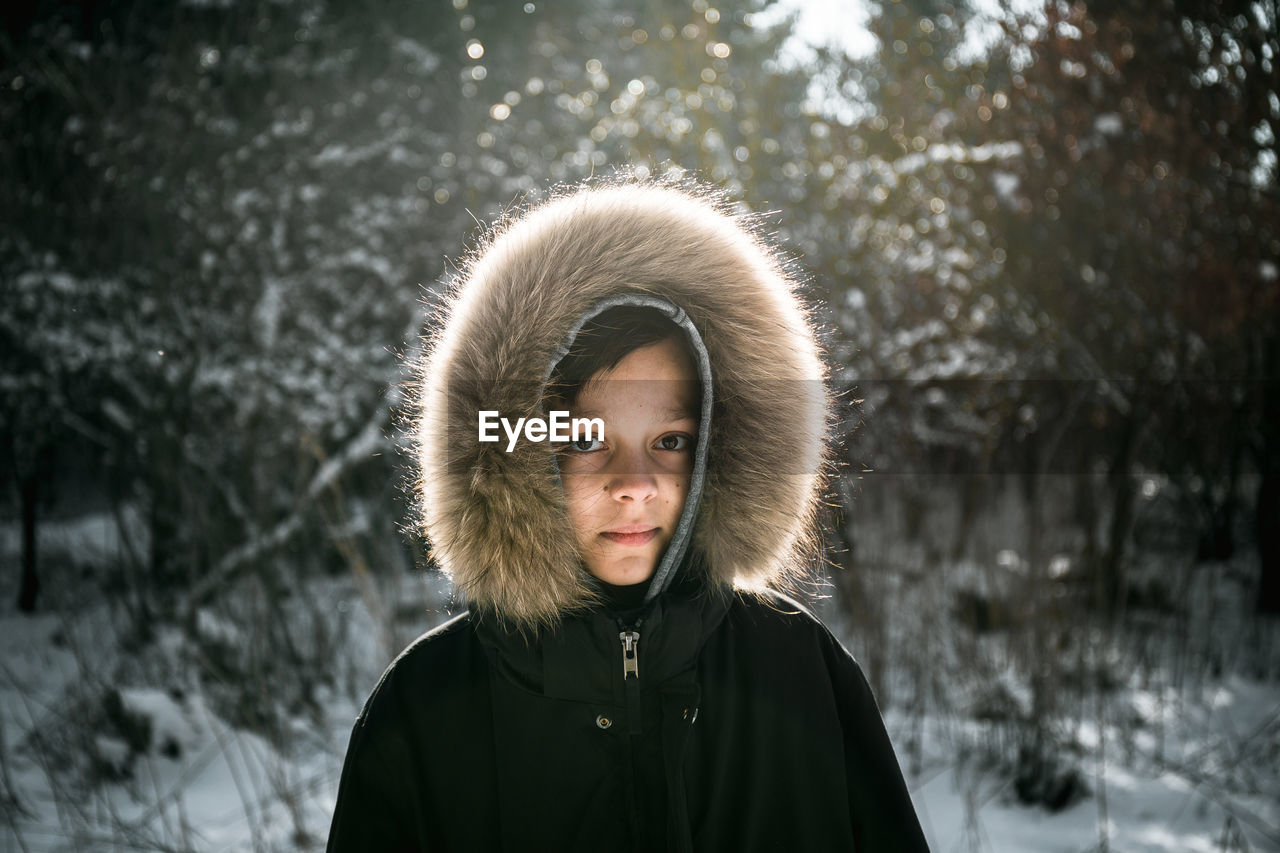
[1150, 195]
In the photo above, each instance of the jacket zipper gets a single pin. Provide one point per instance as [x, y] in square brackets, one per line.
[630, 637]
[630, 654]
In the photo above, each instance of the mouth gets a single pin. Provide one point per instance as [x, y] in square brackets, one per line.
[631, 534]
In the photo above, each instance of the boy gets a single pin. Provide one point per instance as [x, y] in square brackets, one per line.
[624, 679]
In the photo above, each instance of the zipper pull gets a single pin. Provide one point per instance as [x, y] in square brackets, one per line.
[630, 654]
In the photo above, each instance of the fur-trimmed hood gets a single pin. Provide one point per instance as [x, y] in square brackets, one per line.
[496, 519]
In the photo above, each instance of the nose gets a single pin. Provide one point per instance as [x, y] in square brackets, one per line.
[632, 479]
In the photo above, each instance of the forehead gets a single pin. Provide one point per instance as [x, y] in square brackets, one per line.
[660, 375]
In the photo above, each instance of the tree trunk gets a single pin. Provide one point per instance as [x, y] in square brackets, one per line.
[1217, 540]
[1268, 520]
[971, 498]
[30, 578]
[1085, 506]
[1120, 481]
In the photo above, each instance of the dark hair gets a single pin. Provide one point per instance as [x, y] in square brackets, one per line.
[605, 340]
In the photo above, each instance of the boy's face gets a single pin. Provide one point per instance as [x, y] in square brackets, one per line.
[625, 494]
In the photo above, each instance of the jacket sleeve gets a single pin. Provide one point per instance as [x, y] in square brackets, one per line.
[884, 818]
[371, 812]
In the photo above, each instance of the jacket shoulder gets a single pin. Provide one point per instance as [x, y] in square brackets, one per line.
[779, 617]
[437, 684]
[805, 661]
[779, 633]
[434, 646]
[436, 659]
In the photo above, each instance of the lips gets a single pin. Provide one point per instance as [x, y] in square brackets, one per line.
[631, 534]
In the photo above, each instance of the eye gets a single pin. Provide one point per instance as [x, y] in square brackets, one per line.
[586, 445]
[674, 441]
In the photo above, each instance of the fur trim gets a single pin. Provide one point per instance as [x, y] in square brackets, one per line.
[496, 520]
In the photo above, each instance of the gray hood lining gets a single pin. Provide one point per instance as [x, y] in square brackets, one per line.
[683, 536]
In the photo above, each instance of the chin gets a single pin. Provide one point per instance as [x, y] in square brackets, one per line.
[625, 574]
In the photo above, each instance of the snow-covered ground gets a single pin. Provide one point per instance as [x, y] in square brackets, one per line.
[1215, 789]
[196, 783]
[1189, 765]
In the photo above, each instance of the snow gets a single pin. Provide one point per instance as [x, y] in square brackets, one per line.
[1149, 805]
[268, 311]
[956, 153]
[93, 539]
[112, 751]
[1006, 184]
[423, 59]
[198, 783]
[1108, 124]
[342, 154]
[1145, 814]
[214, 627]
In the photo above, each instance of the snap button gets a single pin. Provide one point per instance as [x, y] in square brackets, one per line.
[603, 722]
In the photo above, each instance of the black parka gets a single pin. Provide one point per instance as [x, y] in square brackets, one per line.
[748, 728]
[708, 719]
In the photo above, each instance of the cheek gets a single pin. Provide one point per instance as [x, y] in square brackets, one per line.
[583, 496]
[676, 491]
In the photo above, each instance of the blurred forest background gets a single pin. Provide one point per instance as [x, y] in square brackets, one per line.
[1043, 241]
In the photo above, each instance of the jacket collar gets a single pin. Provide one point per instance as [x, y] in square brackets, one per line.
[581, 657]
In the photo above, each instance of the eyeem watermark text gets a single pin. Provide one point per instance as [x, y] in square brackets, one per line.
[557, 426]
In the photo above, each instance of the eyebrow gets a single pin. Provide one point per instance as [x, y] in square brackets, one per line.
[667, 414]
